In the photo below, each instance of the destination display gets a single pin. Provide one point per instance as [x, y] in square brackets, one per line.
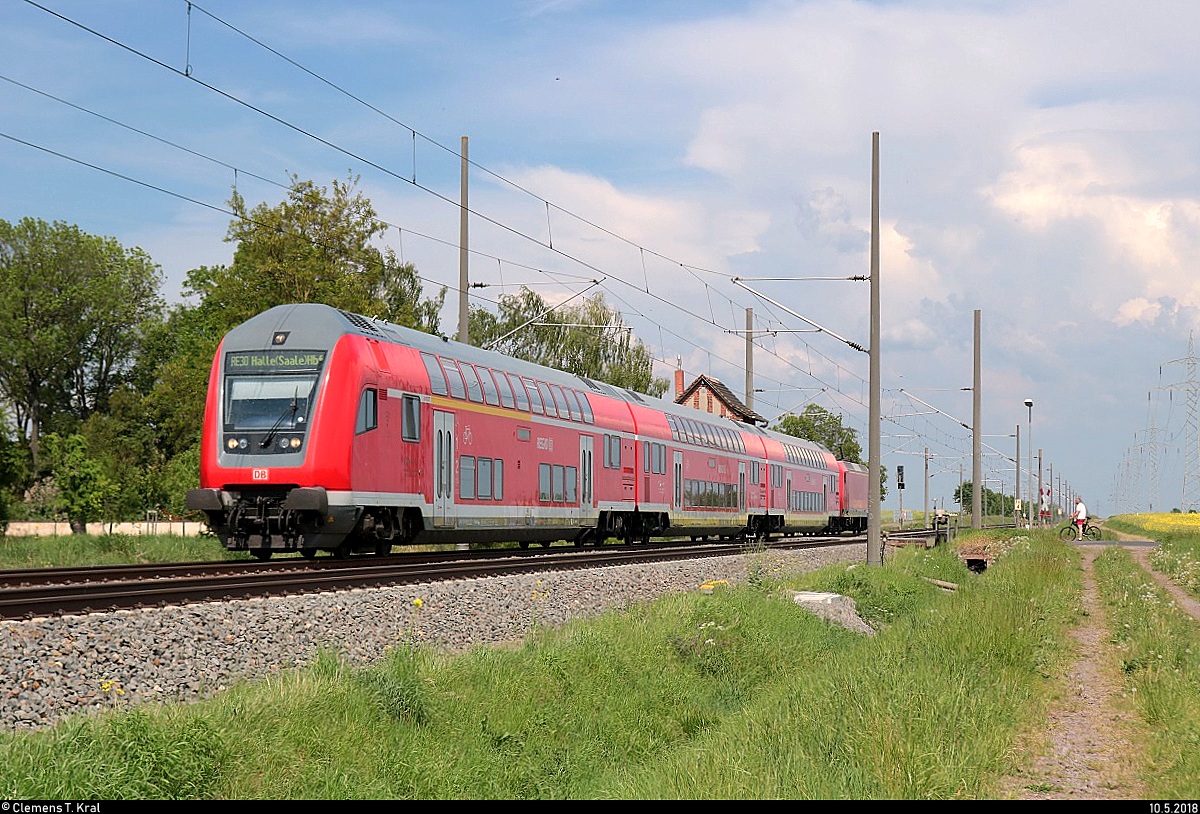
[273, 361]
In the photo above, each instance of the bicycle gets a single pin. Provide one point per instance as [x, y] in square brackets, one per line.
[1090, 532]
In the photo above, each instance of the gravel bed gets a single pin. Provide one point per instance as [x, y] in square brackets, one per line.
[51, 668]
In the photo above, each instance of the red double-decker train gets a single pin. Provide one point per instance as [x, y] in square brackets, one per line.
[329, 431]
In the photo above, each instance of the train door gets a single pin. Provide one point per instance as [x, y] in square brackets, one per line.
[586, 497]
[677, 500]
[787, 495]
[741, 487]
[443, 469]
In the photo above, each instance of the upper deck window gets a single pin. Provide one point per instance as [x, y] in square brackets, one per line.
[455, 379]
[474, 388]
[437, 376]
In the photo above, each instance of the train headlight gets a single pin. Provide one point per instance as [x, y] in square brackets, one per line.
[231, 443]
[294, 443]
[243, 443]
[283, 443]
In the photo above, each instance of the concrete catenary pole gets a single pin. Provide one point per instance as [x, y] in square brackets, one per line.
[976, 440]
[927, 524]
[875, 511]
[462, 249]
[750, 358]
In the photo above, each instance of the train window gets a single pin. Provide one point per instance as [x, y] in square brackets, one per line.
[466, 476]
[264, 403]
[573, 404]
[571, 494]
[484, 472]
[560, 400]
[612, 451]
[437, 377]
[498, 479]
[368, 411]
[505, 389]
[454, 379]
[660, 459]
[544, 482]
[490, 394]
[474, 388]
[645, 456]
[518, 390]
[557, 482]
[586, 406]
[410, 418]
[674, 427]
[523, 434]
[535, 398]
[548, 400]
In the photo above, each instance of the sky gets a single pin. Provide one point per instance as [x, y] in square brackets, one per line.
[1038, 163]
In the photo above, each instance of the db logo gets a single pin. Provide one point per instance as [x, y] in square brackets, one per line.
[260, 474]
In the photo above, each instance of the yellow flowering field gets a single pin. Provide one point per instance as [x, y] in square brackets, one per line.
[1175, 523]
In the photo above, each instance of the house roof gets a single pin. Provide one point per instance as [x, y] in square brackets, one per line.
[731, 402]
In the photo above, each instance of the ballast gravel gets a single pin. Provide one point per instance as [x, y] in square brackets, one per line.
[53, 668]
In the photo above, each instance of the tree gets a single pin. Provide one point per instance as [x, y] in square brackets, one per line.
[820, 425]
[315, 246]
[72, 308]
[991, 503]
[588, 339]
[85, 493]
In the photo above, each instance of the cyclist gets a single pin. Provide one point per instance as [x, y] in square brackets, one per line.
[1080, 518]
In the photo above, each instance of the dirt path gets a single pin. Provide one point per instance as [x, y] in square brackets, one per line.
[1093, 730]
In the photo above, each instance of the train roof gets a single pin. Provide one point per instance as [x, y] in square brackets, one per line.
[327, 324]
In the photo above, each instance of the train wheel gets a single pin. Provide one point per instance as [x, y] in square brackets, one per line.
[308, 553]
[263, 554]
[383, 549]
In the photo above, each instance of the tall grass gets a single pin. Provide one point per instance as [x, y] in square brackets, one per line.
[1160, 662]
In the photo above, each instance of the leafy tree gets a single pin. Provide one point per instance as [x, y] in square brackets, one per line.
[587, 339]
[85, 493]
[315, 246]
[72, 307]
[991, 503]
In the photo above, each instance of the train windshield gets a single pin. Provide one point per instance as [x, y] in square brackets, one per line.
[268, 402]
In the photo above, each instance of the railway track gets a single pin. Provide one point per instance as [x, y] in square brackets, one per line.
[28, 593]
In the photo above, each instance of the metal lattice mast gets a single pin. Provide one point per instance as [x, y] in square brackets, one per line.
[1153, 500]
[1191, 436]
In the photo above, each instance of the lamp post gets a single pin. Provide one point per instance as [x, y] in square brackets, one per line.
[1029, 443]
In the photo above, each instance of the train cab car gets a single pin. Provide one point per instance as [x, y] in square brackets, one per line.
[852, 509]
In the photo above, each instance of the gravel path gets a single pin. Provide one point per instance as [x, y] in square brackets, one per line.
[51, 668]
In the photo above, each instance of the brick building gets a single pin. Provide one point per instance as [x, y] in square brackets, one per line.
[710, 395]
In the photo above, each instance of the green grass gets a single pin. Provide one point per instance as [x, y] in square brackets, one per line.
[110, 549]
[737, 694]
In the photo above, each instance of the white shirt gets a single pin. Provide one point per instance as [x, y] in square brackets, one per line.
[1080, 511]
